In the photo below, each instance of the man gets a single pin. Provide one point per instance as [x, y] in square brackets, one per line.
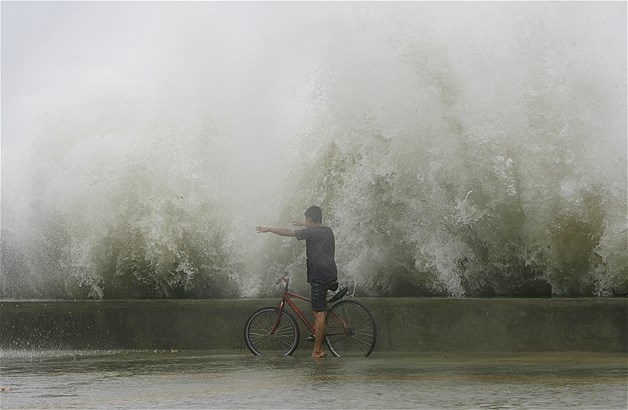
[320, 249]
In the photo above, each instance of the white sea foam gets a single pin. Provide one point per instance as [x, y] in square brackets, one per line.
[457, 149]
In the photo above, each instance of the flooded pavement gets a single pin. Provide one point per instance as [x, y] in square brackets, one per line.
[235, 379]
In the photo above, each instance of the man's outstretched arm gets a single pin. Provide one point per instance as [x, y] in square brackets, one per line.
[276, 231]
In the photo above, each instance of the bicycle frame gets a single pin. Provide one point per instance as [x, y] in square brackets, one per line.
[286, 299]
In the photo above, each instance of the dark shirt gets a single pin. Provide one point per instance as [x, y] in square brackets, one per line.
[320, 249]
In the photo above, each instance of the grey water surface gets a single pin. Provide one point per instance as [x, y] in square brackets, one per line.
[235, 379]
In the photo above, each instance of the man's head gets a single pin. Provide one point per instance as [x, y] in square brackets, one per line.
[315, 214]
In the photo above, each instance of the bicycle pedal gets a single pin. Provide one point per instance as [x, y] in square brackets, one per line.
[310, 338]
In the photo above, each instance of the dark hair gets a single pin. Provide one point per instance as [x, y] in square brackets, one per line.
[315, 214]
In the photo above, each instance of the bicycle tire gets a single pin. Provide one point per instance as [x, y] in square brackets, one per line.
[259, 339]
[350, 329]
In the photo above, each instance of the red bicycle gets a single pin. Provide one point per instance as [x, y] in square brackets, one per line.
[350, 329]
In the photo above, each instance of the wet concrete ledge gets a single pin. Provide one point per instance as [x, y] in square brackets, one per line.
[403, 324]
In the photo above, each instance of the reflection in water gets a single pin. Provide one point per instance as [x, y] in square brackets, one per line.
[199, 379]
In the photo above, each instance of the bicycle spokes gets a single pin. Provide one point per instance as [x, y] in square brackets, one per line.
[350, 329]
[269, 331]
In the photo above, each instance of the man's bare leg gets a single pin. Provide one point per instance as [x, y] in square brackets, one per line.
[319, 334]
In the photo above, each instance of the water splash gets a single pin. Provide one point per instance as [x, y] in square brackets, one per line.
[442, 179]
[463, 150]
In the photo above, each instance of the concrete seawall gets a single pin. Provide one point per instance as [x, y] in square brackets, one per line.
[403, 324]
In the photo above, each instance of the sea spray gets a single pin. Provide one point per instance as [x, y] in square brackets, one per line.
[136, 214]
[508, 183]
[456, 149]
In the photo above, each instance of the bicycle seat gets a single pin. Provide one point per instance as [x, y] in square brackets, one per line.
[334, 286]
[341, 293]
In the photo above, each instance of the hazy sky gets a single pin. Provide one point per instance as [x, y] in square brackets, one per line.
[252, 67]
[241, 61]
[249, 63]
[115, 66]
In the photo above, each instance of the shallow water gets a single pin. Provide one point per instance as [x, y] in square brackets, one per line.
[204, 379]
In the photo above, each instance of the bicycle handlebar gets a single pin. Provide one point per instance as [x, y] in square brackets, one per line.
[283, 278]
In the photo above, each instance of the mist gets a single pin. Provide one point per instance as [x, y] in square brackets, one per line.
[459, 149]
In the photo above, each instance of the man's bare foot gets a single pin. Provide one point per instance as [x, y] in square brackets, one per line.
[319, 355]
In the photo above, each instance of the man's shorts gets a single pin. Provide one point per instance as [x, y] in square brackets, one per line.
[318, 294]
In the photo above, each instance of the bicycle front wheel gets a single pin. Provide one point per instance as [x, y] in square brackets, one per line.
[268, 333]
[350, 329]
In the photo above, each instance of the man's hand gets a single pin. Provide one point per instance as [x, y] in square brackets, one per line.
[276, 231]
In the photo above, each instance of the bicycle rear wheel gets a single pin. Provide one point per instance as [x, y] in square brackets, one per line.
[263, 341]
[350, 329]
